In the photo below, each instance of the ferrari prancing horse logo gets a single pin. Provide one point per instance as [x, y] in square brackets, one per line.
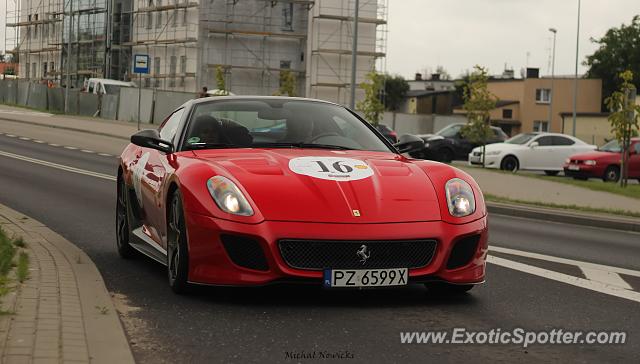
[364, 254]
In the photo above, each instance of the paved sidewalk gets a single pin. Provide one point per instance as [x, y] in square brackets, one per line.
[524, 188]
[62, 313]
[111, 128]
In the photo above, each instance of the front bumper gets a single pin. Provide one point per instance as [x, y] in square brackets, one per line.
[210, 263]
[491, 161]
[582, 171]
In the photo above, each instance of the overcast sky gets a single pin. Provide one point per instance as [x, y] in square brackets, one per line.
[457, 34]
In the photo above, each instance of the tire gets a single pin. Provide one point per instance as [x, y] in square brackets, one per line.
[611, 174]
[177, 252]
[551, 173]
[510, 163]
[445, 155]
[123, 223]
[447, 289]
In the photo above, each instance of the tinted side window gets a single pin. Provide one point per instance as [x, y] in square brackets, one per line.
[545, 141]
[637, 148]
[558, 140]
[170, 126]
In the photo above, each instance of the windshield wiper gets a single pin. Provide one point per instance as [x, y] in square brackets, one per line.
[210, 146]
[300, 145]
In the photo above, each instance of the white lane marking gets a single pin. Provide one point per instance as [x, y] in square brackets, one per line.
[604, 276]
[58, 166]
[38, 141]
[565, 278]
[11, 135]
[70, 148]
[106, 155]
[565, 261]
[54, 145]
[86, 151]
[24, 138]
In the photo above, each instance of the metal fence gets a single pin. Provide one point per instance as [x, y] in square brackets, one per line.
[152, 106]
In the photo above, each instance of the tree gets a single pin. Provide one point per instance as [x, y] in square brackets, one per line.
[478, 102]
[371, 106]
[624, 119]
[287, 84]
[395, 89]
[221, 85]
[619, 50]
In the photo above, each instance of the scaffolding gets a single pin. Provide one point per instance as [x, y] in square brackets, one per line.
[330, 45]
[46, 34]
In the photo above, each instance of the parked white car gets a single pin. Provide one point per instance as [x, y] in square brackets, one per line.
[533, 151]
[105, 86]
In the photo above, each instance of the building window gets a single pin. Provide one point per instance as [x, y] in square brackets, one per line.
[159, 16]
[33, 70]
[52, 67]
[540, 126]
[44, 69]
[287, 16]
[543, 95]
[183, 64]
[174, 18]
[156, 71]
[507, 113]
[150, 16]
[184, 17]
[172, 71]
[147, 82]
[181, 81]
[285, 65]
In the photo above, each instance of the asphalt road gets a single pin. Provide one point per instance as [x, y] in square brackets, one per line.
[262, 324]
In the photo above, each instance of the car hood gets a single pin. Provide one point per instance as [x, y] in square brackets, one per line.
[596, 155]
[500, 147]
[393, 189]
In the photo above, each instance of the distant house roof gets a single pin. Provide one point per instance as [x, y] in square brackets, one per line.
[422, 93]
[502, 103]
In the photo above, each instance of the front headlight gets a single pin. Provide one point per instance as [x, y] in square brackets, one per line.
[228, 196]
[590, 162]
[493, 152]
[460, 198]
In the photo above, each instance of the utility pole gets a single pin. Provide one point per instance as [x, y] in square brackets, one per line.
[575, 80]
[70, 35]
[553, 72]
[354, 56]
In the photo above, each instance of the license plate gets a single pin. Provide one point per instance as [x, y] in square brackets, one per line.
[573, 167]
[365, 277]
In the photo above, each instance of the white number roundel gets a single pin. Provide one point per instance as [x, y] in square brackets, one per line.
[331, 168]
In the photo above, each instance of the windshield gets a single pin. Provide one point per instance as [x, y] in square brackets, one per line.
[449, 131]
[521, 138]
[278, 123]
[612, 146]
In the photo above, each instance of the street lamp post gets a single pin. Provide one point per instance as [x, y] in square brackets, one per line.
[575, 80]
[354, 56]
[553, 73]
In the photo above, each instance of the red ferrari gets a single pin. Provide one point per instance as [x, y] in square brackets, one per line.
[259, 190]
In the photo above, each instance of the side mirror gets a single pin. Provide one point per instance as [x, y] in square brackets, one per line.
[409, 143]
[150, 138]
[534, 145]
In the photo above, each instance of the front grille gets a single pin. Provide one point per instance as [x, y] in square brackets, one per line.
[245, 252]
[477, 154]
[340, 254]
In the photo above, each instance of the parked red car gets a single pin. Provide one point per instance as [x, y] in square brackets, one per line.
[604, 163]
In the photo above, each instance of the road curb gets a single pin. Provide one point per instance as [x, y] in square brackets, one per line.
[106, 341]
[61, 127]
[565, 216]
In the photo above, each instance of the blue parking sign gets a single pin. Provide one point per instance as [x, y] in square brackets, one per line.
[141, 63]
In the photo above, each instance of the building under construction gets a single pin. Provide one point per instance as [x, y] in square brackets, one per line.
[188, 41]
